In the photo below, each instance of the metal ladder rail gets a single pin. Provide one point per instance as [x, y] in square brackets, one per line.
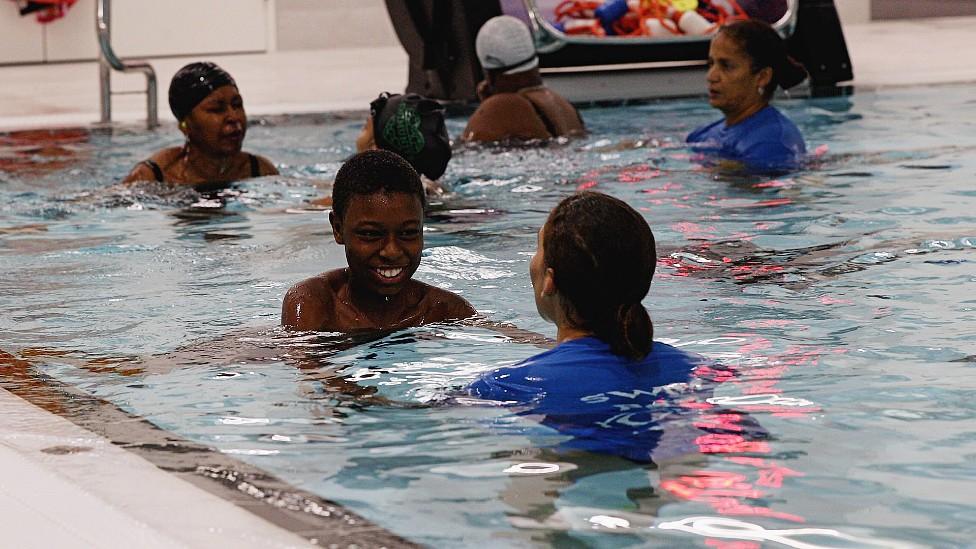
[108, 60]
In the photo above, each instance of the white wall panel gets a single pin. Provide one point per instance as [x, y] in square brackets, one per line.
[181, 27]
[326, 24]
[72, 38]
[151, 28]
[853, 12]
[21, 38]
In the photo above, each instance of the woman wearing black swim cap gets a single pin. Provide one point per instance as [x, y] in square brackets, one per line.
[210, 111]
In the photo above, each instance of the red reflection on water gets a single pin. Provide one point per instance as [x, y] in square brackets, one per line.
[722, 544]
[33, 151]
[637, 174]
[735, 493]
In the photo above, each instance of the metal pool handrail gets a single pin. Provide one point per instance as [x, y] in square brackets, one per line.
[107, 60]
[549, 39]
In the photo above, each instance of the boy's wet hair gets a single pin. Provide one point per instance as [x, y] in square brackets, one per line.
[375, 171]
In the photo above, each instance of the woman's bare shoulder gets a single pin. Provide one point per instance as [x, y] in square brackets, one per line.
[265, 166]
[164, 158]
[167, 157]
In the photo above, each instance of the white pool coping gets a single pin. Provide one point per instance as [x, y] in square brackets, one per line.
[106, 497]
[889, 53]
[67, 95]
[912, 52]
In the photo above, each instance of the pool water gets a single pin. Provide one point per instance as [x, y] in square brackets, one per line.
[840, 297]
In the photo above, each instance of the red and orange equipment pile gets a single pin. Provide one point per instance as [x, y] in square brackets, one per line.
[656, 18]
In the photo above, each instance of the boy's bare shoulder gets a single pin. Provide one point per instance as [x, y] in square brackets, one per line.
[322, 281]
[443, 305]
[321, 287]
[308, 305]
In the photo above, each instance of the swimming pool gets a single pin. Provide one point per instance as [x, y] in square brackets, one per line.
[841, 297]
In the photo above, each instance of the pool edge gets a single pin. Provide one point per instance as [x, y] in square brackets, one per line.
[244, 486]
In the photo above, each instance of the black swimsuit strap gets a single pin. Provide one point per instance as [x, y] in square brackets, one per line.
[255, 166]
[156, 170]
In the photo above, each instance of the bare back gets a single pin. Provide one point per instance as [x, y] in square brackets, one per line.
[530, 113]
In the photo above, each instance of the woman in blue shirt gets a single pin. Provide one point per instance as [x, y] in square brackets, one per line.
[747, 60]
[606, 383]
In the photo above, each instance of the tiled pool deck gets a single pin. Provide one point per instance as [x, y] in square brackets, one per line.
[105, 479]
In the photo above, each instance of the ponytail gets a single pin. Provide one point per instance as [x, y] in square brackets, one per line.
[789, 73]
[634, 334]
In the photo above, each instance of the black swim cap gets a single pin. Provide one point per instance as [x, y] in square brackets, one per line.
[413, 127]
[192, 84]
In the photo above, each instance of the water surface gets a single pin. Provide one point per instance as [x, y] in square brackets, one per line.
[841, 298]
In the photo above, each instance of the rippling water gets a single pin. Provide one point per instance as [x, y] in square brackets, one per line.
[841, 297]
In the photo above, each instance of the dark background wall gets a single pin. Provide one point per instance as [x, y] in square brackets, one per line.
[909, 9]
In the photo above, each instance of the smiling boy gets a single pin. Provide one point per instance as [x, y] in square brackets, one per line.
[378, 216]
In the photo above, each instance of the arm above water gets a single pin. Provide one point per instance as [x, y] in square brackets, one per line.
[512, 332]
[445, 306]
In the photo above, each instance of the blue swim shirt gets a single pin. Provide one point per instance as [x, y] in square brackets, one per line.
[765, 142]
[605, 402]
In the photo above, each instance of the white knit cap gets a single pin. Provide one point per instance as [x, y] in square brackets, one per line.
[504, 42]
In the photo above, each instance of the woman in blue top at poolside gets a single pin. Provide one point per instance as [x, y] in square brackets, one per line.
[606, 383]
[747, 60]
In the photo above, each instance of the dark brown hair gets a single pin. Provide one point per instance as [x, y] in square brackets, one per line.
[602, 255]
[765, 48]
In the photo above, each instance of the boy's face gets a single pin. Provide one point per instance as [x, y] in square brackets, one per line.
[383, 234]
